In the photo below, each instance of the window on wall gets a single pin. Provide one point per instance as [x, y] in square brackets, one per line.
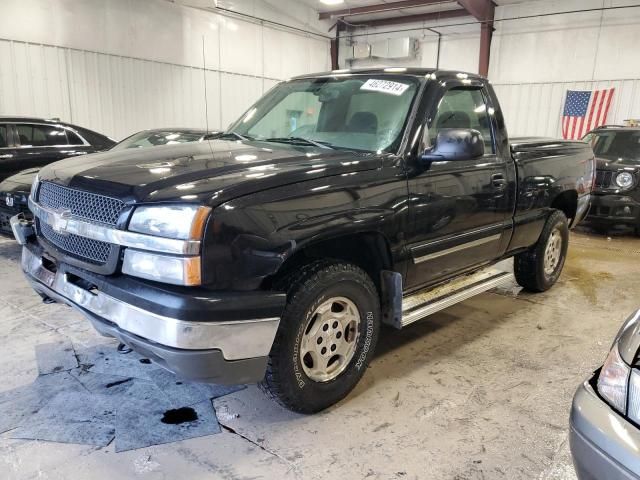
[4, 142]
[463, 108]
[33, 135]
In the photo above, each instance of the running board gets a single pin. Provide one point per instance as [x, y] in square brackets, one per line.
[427, 302]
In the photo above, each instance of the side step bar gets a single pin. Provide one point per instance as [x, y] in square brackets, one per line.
[426, 302]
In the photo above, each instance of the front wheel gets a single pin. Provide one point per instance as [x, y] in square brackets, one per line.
[326, 337]
[539, 268]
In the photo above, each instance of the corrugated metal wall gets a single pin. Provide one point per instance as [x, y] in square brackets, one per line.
[536, 108]
[118, 95]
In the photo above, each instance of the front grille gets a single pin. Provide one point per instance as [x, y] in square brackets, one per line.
[82, 248]
[89, 206]
[603, 178]
[86, 206]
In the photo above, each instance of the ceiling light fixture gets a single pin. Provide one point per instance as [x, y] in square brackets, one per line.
[332, 2]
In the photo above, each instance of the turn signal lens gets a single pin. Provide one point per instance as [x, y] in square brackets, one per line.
[198, 223]
[162, 268]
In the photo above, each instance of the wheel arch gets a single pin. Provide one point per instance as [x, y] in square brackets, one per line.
[369, 250]
[567, 202]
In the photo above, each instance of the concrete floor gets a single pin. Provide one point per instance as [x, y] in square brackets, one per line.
[481, 390]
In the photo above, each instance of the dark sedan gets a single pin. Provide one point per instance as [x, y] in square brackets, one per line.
[615, 199]
[14, 191]
[27, 142]
[165, 136]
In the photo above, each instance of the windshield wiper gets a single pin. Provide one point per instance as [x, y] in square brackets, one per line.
[307, 141]
[215, 136]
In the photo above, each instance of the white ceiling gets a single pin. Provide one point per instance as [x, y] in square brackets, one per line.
[321, 7]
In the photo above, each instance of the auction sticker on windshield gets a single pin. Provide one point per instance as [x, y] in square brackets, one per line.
[384, 86]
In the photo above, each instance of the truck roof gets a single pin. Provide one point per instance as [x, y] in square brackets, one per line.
[411, 71]
[615, 127]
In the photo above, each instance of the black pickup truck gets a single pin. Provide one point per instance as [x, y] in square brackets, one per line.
[274, 252]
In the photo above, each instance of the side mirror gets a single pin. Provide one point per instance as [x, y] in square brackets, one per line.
[455, 144]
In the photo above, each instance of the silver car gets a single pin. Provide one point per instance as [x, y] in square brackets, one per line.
[605, 416]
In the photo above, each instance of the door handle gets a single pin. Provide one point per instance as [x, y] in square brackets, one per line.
[6, 155]
[498, 181]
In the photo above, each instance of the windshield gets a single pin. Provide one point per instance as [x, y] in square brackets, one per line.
[158, 137]
[353, 112]
[616, 144]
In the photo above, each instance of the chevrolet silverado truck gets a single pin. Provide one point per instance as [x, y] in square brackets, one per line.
[275, 251]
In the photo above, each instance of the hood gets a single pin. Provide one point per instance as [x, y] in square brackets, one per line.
[19, 183]
[616, 164]
[208, 172]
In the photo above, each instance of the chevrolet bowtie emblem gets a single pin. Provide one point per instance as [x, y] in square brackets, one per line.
[59, 221]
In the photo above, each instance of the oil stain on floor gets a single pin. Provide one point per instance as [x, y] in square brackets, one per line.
[589, 260]
[96, 395]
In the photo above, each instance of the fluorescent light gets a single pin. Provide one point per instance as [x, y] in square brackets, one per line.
[332, 2]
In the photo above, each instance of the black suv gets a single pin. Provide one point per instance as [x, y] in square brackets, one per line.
[26, 144]
[615, 199]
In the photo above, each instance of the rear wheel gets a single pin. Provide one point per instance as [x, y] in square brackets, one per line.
[539, 268]
[326, 337]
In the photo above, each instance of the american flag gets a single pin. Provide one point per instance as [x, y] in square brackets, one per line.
[585, 110]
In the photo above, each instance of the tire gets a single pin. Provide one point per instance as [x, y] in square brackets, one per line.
[293, 377]
[529, 266]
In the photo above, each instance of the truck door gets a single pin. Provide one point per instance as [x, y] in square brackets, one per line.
[459, 209]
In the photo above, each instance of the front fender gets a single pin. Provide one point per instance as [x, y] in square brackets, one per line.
[250, 238]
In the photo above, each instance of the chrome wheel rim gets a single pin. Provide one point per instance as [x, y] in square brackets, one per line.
[330, 338]
[553, 252]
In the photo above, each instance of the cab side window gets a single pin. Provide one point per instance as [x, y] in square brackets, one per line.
[463, 108]
[32, 135]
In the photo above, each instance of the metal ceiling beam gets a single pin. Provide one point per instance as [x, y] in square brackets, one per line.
[378, 8]
[483, 11]
[421, 17]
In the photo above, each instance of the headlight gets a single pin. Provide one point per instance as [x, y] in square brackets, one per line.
[178, 222]
[183, 222]
[613, 380]
[624, 180]
[162, 268]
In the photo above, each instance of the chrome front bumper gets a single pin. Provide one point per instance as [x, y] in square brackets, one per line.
[238, 339]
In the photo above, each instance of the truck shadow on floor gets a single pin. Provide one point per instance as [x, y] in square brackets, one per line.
[9, 249]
